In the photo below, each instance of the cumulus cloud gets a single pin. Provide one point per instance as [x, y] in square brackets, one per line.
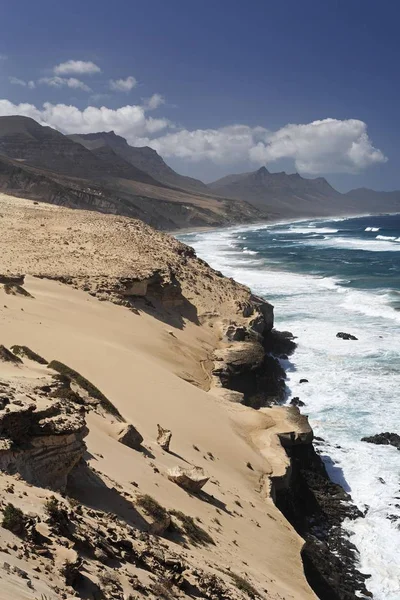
[129, 121]
[76, 67]
[16, 81]
[123, 85]
[59, 82]
[326, 146]
[155, 101]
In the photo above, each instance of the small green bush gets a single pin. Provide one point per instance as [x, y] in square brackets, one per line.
[14, 519]
[85, 384]
[195, 533]
[152, 507]
[24, 351]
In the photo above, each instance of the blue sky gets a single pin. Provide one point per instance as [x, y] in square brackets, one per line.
[217, 87]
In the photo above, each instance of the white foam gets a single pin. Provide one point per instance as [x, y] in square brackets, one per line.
[371, 229]
[375, 245]
[392, 238]
[305, 230]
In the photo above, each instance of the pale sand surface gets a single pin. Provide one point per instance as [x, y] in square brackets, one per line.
[138, 364]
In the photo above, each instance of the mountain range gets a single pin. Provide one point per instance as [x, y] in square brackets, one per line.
[101, 171]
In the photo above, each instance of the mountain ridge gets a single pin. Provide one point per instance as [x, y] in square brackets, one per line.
[144, 158]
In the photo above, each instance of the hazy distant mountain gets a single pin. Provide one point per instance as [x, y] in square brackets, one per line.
[279, 193]
[144, 158]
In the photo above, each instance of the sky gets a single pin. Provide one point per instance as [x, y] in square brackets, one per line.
[217, 87]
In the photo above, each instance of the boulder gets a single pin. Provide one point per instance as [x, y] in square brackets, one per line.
[385, 439]
[303, 381]
[297, 402]
[130, 436]
[192, 479]
[164, 437]
[346, 336]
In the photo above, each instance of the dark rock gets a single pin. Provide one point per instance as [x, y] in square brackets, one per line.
[385, 439]
[130, 436]
[346, 336]
[303, 381]
[317, 507]
[297, 402]
[279, 343]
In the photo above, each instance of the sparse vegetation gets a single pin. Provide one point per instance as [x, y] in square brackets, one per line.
[152, 507]
[70, 571]
[249, 466]
[85, 384]
[57, 514]
[24, 351]
[163, 589]
[243, 585]
[195, 533]
[14, 520]
[108, 579]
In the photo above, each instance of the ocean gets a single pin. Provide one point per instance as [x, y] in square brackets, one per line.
[324, 277]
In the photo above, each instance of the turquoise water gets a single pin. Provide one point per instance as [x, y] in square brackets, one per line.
[324, 277]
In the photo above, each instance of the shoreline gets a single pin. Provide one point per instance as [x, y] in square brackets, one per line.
[347, 547]
[278, 221]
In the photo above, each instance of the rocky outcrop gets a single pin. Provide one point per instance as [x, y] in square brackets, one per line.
[192, 480]
[317, 507]
[385, 439]
[7, 356]
[248, 362]
[41, 438]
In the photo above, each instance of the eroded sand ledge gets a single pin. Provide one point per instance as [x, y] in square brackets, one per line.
[153, 358]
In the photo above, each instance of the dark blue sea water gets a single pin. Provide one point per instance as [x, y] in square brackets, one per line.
[324, 277]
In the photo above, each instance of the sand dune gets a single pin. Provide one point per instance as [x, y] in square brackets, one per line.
[143, 364]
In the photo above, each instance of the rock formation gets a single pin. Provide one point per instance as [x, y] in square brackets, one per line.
[192, 480]
[130, 436]
[163, 437]
[41, 438]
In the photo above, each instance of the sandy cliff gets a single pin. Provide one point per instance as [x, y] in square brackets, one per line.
[144, 322]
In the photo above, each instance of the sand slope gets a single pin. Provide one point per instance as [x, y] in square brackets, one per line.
[141, 362]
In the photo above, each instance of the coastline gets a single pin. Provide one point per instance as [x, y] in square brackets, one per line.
[277, 221]
[344, 546]
[229, 335]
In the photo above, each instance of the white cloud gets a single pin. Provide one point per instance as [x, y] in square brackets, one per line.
[76, 67]
[123, 85]
[128, 121]
[16, 81]
[155, 101]
[59, 82]
[325, 146]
